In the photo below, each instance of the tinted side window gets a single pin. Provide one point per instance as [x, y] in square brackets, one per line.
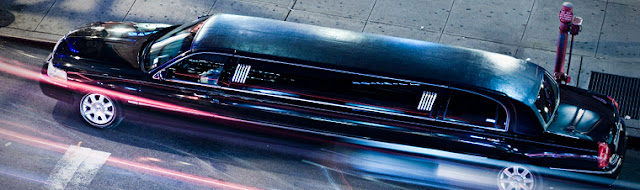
[205, 69]
[337, 87]
[474, 109]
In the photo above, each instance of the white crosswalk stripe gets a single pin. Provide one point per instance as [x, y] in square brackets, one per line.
[76, 169]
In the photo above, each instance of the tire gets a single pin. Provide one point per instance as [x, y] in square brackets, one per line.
[518, 177]
[99, 110]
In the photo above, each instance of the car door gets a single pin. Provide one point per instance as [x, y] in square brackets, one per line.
[482, 124]
[190, 85]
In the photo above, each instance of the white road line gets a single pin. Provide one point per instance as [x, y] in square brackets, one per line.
[88, 169]
[76, 168]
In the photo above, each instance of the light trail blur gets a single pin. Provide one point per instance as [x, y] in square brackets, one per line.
[391, 160]
[30, 129]
[6, 67]
[117, 162]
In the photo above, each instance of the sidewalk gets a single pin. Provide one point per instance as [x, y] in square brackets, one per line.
[609, 42]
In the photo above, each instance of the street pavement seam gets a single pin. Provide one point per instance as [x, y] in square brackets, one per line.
[369, 16]
[44, 16]
[290, 9]
[446, 21]
[526, 24]
[128, 11]
[604, 16]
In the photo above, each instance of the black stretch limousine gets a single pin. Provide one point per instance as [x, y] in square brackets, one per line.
[340, 83]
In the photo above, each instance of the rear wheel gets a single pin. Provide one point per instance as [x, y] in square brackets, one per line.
[99, 110]
[517, 177]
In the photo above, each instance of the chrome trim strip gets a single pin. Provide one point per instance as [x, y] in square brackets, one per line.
[618, 163]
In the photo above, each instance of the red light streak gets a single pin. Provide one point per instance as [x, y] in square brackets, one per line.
[34, 141]
[30, 129]
[21, 72]
[173, 174]
[121, 163]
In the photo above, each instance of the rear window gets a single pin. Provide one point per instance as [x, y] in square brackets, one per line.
[171, 44]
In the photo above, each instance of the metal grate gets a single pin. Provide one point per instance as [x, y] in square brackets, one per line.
[625, 90]
[240, 76]
[427, 100]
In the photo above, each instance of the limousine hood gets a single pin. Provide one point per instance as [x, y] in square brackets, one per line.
[585, 115]
[114, 42]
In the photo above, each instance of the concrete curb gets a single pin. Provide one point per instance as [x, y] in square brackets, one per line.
[41, 42]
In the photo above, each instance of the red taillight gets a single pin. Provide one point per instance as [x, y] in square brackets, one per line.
[603, 155]
[614, 102]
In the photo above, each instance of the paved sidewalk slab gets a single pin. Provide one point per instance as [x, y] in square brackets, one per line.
[281, 3]
[492, 20]
[547, 60]
[345, 8]
[168, 11]
[626, 2]
[478, 44]
[542, 31]
[403, 32]
[429, 14]
[249, 8]
[326, 20]
[23, 14]
[620, 36]
[609, 66]
[69, 14]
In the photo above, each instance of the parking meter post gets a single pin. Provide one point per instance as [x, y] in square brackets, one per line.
[576, 27]
[566, 16]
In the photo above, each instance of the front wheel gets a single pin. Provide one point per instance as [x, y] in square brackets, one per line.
[100, 111]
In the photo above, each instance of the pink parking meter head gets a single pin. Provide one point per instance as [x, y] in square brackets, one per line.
[566, 13]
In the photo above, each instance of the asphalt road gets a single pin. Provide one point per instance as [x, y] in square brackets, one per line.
[45, 145]
[150, 152]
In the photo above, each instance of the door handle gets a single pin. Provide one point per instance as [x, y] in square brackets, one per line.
[200, 95]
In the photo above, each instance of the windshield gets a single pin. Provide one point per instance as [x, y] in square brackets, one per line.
[547, 99]
[171, 44]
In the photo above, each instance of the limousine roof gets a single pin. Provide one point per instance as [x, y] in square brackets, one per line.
[378, 54]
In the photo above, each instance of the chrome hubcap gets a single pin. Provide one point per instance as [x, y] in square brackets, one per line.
[516, 178]
[97, 109]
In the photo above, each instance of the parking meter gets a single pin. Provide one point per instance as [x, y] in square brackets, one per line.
[568, 25]
[566, 17]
